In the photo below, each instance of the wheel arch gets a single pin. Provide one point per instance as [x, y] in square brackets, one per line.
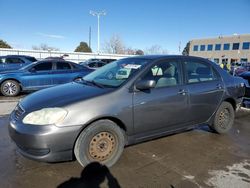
[111, 118]
[231, 101]
[14, 79]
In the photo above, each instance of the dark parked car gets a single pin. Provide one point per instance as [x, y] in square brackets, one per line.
[14, 62]
[246, 100]
[96, 63]
[125, 102]
[40, 75]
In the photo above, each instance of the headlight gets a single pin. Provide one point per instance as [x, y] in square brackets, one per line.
[45, 116]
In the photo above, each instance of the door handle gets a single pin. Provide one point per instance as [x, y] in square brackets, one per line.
[182, 92]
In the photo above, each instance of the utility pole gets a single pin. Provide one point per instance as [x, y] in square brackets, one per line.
[98, 14]
[90, 37]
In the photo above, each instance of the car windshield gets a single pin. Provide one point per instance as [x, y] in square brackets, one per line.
[116, 73]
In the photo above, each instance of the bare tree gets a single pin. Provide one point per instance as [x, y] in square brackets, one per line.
[45, 47]
[114, 46]
[155, 49]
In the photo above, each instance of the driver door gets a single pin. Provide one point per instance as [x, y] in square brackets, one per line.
[38, 77]
[164, 107]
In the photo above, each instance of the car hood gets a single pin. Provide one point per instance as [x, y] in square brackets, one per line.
[61, 95]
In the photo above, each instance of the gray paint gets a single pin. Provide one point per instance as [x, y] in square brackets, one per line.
[143, 114]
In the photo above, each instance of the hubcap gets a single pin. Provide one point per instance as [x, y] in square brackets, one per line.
[224, 118]
[102, 146]
[10, 88]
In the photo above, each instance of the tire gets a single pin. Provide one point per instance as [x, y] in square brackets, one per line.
[224, 118]
[10, 88]
[102, 141]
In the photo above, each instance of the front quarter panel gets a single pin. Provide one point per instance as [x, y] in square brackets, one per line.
[117, 104]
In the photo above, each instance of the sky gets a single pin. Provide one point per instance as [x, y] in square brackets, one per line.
[139, 23]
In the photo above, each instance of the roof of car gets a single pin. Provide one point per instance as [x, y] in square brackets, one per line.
[16, 56]
[158, 57]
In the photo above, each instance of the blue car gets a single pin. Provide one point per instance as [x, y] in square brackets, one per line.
[40, 75]
[14, 62]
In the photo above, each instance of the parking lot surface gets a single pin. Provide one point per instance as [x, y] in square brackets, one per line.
[196, 158]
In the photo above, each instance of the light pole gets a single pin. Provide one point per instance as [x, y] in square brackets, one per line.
[98, 14]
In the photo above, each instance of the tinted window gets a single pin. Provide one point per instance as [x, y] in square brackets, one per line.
[209, 47]
[246, 45]
[226, 46]
[202, 48]
[100, 64]
[165, 74]
[199, 72]
[93, 65]
[217, 47]
[43, 66]
[195, 48]
[236, 46]
[2, 60]
[32, 59]
[13, 60]
[63, 66]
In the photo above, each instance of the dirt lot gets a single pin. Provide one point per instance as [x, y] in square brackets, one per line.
[197, 158]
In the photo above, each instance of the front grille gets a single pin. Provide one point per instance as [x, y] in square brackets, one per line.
[18, 112]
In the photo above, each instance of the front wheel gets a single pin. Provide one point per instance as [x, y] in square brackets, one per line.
[224, 118]
[10, 88]
[102, 141]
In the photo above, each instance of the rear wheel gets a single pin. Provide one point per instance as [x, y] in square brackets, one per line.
[224, 118]
[102, 141]
[10, 88]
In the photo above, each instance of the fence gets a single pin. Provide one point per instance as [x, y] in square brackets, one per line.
[71, 56]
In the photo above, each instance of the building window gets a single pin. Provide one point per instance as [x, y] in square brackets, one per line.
[209, 47]
[236, 46]
[217, 47]
[243, 60]
[226, 46]
[246, 46]
[195, 48]
[202, 48]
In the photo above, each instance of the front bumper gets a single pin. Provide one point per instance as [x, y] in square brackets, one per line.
[44, 143]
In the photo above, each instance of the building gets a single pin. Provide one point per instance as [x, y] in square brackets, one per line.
[235, 48]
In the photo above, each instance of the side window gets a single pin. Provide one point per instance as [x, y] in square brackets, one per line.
[165, 74]
[2, 60]
[199, 72]
[63, 66]
[14, 60]
[45, 66]
[100, 64]
[92, 65]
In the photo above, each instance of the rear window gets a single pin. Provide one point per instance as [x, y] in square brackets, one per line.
[63, 66]
[32, 59]
[199, 72]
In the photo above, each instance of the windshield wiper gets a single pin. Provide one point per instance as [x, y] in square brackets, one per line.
[92, 82]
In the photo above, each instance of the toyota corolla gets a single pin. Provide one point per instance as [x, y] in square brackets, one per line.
[94, 118]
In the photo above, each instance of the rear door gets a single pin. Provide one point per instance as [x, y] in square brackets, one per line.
[205, 89]
[62, 73]
[164, 107]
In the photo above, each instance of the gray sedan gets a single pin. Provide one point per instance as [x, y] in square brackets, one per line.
[123, 103]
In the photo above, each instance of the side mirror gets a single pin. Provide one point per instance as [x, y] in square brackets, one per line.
[145, 84]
